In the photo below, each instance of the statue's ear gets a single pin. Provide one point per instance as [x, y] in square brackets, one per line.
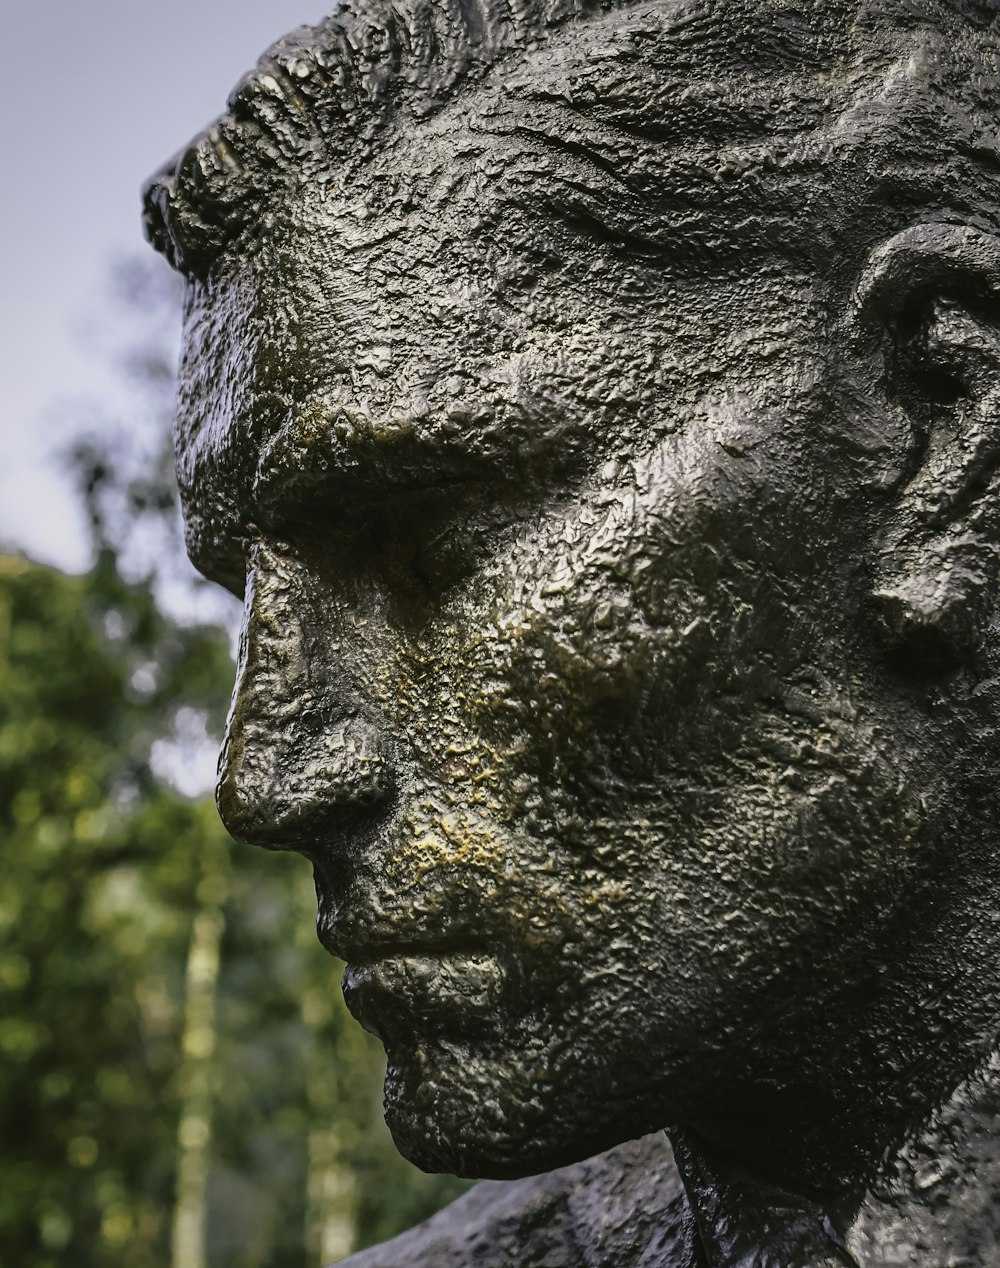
[931, 297]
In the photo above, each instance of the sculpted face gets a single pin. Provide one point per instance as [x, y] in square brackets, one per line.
[559, 509]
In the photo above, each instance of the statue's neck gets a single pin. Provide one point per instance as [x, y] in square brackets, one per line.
[936, 1200]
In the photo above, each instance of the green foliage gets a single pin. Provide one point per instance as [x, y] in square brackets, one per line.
[100, 864]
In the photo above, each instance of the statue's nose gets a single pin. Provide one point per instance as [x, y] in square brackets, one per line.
[299, 788]
[301, 759]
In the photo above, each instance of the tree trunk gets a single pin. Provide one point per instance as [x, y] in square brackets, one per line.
[194, 1133]
[330, 1216]
[332, 1188]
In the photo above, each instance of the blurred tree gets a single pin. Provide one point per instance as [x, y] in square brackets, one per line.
[101, 859]
[177, 1068]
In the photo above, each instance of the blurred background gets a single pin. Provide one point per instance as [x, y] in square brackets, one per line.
[179, 1082]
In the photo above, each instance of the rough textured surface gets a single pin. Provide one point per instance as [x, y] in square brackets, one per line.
[625, 1209]
[597, 407]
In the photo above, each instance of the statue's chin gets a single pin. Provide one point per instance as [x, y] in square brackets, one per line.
[465, 1117]
[467, 1114]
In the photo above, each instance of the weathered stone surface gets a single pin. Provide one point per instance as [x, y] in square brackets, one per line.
[625, 1208]
[597, 406]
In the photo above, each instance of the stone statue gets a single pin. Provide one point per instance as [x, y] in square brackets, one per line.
[599, 407]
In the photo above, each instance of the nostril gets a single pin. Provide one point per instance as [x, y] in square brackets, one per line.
[291, 791]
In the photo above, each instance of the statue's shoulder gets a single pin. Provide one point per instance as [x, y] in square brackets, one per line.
[622, 1209]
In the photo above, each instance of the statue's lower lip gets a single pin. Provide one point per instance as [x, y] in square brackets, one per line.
[403, 987]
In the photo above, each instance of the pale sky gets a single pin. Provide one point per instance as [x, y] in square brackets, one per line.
[97, 95]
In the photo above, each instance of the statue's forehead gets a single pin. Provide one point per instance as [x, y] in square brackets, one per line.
[666, 47]
[582, 108]
[325, 104]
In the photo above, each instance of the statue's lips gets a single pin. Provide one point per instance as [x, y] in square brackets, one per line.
[403, 988]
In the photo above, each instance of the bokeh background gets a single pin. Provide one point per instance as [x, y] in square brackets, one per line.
[179, 1083]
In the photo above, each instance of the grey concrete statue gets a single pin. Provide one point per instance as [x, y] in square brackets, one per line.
[599, 406]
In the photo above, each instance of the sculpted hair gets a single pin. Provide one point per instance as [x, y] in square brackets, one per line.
[325, 97]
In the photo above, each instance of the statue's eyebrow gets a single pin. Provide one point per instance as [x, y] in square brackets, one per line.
[643, 195]
[590, 191]
[573, 147]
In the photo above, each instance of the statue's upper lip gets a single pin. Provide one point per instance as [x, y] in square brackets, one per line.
[361, 953]
[359, 943]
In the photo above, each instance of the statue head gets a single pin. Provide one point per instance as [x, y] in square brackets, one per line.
[597, 406]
